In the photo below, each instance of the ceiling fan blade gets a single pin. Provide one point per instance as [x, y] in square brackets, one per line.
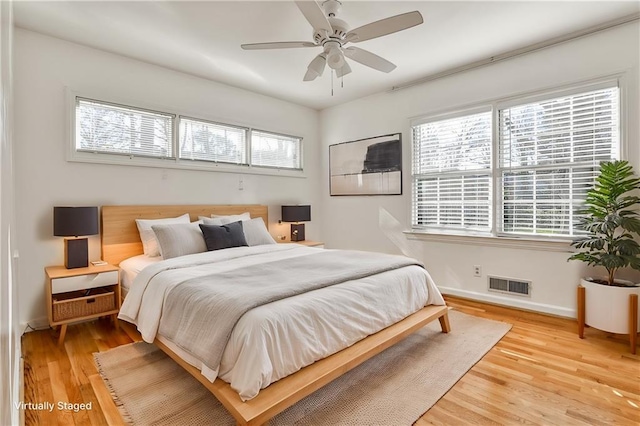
[369, 59]
[316, 67]
[314, 15]
[385, 26]
[278, 45]
[346, 69]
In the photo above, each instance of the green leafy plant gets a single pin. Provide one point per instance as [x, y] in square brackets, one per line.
[611, 221]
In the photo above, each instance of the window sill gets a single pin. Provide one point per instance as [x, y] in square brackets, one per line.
[87, 157]
[492, 241]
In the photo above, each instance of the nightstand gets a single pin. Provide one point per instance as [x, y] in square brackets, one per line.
[81, 294]
[318, 244]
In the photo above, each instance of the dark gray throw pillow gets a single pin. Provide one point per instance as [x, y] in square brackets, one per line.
[222, 237]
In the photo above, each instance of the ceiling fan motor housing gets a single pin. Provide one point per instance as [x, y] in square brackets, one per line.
[340, 30]
[339, 27]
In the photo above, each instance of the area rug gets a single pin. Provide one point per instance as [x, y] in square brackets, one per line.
[394, 387]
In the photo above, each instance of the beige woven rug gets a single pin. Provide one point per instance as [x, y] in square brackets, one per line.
[393, 388]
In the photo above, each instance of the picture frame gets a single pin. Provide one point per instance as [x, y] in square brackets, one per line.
[371, 166]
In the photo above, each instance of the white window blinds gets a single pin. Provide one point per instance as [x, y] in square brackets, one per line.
[206, 141]
[273, 150]
[452, 173]
[109, 128]
[549, 155]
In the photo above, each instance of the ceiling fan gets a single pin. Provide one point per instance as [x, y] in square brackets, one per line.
[332, 34]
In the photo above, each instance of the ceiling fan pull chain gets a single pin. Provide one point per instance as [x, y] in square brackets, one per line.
[332, 83]
[342, 82]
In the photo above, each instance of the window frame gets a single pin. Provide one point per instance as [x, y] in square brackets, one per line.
[174, 162]
[494, 237]
[246, 131]
[473, 110]
[171, 116]
[250, 149]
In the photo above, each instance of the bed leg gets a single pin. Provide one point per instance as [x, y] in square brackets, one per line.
[444, 323]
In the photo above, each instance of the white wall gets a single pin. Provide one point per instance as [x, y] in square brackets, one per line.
[352, 222]
[44, 66]
[9, 328]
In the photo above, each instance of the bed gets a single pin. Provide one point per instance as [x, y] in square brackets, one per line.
[290, 376]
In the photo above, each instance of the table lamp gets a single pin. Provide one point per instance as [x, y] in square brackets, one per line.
[296, 214]
[75, 222]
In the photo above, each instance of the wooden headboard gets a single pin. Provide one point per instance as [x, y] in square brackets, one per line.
[120, 239]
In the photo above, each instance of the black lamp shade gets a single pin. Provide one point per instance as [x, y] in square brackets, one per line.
[296, 213]
[75, 221]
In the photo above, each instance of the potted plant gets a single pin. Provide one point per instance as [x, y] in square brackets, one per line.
[611, 222]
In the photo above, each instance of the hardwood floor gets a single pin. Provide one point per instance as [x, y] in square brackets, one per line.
[539, 373]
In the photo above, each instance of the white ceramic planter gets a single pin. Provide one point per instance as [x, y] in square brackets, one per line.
[607, 307]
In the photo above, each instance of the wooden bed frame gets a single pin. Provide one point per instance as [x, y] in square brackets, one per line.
[120, 240]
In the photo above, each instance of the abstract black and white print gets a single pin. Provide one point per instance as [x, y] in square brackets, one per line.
[370, 166]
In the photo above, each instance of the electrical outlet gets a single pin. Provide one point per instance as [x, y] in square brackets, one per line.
[477, 271]
[241, 184]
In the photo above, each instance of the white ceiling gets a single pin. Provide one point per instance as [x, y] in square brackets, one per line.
[203, 38]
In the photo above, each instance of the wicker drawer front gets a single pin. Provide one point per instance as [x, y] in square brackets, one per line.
[80, 282]
[75, 305]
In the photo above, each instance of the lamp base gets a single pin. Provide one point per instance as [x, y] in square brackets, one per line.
[297, 232]
[76, 253]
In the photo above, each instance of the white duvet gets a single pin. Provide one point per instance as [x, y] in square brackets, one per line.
[130, 268]
[274, 340]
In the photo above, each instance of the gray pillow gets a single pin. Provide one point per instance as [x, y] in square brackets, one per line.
[148, 237]
[256, 233]
[222, 237]
[179, 239]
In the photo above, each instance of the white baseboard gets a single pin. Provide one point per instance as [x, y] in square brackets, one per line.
[511, 302]
[37, 324]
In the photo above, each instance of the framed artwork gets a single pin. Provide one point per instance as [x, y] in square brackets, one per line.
[371, 166]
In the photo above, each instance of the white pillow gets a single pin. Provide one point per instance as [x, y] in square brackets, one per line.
[244, 215]
[223, 220]
[147, 236]
[179, 239]
[256, 233]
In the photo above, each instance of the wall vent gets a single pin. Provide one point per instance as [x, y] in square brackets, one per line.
[510, 286]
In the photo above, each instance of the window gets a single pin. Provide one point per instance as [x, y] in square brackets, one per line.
[112, 133]
[548, 154]
[201, 140]
[115, 129]
[452, 173]
[272, 150]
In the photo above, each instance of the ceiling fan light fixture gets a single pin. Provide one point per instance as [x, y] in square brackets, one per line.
[335, 58]
[317, 65]
[310, 75]
[341, 72]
